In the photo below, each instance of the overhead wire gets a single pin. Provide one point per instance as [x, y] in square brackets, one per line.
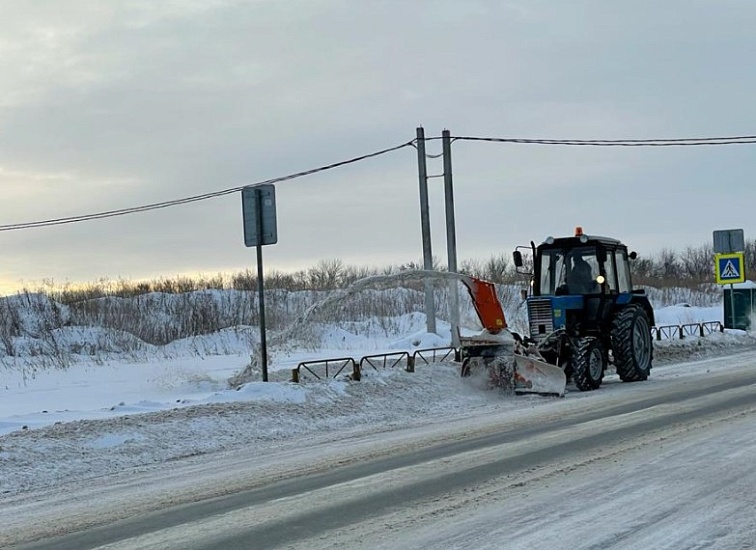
[195, 198]
[663, 142]
[666, 142]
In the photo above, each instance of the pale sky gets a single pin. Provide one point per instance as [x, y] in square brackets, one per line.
[108, 105]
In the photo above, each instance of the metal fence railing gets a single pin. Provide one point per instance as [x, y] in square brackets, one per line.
[669, 332]
[385, 360]
[331, 368]
[432, 355]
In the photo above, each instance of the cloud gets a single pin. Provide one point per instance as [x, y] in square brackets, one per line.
[112, 105]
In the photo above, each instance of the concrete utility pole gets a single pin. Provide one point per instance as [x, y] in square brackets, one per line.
[451, 236]
[422, 170]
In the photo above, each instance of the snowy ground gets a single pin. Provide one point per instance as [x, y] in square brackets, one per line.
[102, 423]
[96, 418]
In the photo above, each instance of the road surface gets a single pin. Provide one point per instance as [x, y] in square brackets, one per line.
[651, 465]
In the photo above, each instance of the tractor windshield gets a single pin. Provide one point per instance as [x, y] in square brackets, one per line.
[569, 271]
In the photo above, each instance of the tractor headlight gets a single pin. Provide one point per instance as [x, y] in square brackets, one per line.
[600, 279]
[584, 238]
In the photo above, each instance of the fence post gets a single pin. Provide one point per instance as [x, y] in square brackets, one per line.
[295, 375]
[411, 363]
[356, 373]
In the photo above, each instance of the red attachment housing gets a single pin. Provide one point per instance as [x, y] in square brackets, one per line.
[487, 305]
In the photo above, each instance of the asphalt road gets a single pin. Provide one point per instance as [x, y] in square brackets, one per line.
[405, 500]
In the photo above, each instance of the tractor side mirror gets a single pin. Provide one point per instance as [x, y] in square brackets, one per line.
[633, 255]
[517, 257]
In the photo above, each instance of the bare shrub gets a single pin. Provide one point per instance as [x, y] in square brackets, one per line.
[130, 317]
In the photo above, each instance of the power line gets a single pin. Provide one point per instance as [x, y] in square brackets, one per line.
[665, 142]
[195, 198]
[427, 155]
[672, 142]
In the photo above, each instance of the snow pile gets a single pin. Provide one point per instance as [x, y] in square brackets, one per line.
[684, 313]
[144, 432]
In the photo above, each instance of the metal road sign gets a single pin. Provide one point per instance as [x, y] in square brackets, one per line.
[728, 241]
[259, 211]
[730, 268]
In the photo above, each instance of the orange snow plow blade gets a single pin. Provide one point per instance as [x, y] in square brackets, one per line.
[534, 376]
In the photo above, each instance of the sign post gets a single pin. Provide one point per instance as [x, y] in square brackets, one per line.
[729, 262]
[259, 215]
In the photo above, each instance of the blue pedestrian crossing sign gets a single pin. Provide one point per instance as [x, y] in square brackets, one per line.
[730, 268]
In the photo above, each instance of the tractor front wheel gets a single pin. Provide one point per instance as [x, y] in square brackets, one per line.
[588, 363]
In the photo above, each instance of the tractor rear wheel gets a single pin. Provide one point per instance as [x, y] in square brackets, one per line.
[632, 346]
[588, 363]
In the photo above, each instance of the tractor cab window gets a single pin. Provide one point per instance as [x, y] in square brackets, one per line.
[569, 271]
[623, 272]
[611, 280]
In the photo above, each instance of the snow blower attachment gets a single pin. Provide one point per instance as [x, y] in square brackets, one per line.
[512, 364]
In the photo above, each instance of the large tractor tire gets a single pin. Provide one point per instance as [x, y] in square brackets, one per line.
[632, 346]
[588, 363]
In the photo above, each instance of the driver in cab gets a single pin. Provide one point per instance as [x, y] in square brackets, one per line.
[580, 280]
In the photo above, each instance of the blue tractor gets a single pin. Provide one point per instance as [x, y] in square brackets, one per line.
[583, 312]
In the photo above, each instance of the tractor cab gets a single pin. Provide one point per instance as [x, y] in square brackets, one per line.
[581, 265]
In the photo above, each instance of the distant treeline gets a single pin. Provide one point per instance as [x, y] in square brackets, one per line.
[54, 325]
[689, 268]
